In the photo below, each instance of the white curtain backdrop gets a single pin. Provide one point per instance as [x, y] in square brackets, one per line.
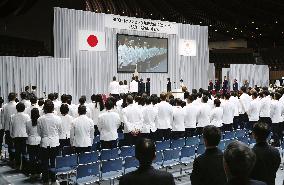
[48, 74]
[92, 71]
[255, 74]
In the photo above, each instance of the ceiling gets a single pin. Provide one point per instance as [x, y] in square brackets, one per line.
[260, 21]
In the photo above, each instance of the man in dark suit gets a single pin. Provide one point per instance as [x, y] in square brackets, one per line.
[217, 85]
[141, 87]
[239, 161]
[169, 85]
[267, 157]
[148, 87]
[208, 167]
[146, 175]
[235, 85]
[210, 86]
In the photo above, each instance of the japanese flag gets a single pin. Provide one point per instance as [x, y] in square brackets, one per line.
[91, 40]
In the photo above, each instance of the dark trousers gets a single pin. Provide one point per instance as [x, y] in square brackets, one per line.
[108, 144]
[190, 132]
[20, 149]
[48, 156]
[80, 150]
[236, 121]
[250, 125]
[281, 131]
[276, 135]
[177, 134]
[227, 127]
[2, 131]
[151, 135]
[64, 142]
[9, 142]
[33, 151]
[116, 96]
[96, 130]
[199, 130]
[130, 139]
[163, 134]
[266, 120]
[243, 120]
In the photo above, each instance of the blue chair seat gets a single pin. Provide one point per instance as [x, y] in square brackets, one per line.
[130, 170]
[170, 163]
[84, 180]
[61, 170]
[111, 175]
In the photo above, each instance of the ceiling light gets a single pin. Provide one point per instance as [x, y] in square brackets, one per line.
[227, 31]
[252, 22]
[108, 10]
[236, 28]
[276, 22]
[210, 25]
[123, 12]
[232, 38]
[256, 28]
[216, 30]
[200, 22]
[260, 34]
[163, 18]
[151, 14]
[241, 31]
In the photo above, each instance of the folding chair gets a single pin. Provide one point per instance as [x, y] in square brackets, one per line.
[64, 165]
[200, 150]
[229, 135]
[178, 143]
[187, 156]
[157, 163]
[111, 169]
[163, 145]
[96, 146]
[87, 174]
[201, 140]
[240, 133]
[192, 141]
[227, 142]
[96, 139]
[107, 154]
[88, 157]
[171, 157]
[127, 151]
[130, 164]
[68, 150]
[120, 136]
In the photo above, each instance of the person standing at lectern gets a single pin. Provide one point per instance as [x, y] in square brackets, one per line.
[148, 87]
[235, 85]
[225, 85]
[141, 87]
[169, 85]
[210, 86]
[217, 85]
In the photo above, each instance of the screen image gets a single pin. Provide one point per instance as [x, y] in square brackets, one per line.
[149, 54]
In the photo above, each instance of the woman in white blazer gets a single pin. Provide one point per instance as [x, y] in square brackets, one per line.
[216, 114]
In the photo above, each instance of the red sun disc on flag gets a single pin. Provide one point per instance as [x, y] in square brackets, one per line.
[92, 40]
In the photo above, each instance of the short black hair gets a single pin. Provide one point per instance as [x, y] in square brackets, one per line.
[40, 102]
[34, 116]
[145, 151]
[114, 78]
[125, 82]
[20, 107]
[129, 99]
[12, 96]
[178, 101]
[120, 82]
[33, 100]
[64, 98]
[48, 106]
[51, 96]
[261, 131]
[190, 98]
[82, 109]
[217, 102]
[163, 96]
[212, 135]
[108, 104]
[227, 96]
[23, 95]
[240, 159]
[254, 94]
[27, 88]
[55, 95]
[205, 99]
[148, 100]
[277, 96]
[82, 100]
[64, 109]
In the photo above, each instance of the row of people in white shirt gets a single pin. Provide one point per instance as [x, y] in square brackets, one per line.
[116, 88]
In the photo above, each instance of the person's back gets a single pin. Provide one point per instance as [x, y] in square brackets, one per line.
[208, 167]
[145, 150]
[267, 157]
[203, 118]
[108, 124]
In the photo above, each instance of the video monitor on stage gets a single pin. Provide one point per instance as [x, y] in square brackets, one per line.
[149, 54]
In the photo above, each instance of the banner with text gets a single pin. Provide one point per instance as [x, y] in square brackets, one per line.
[131, 23]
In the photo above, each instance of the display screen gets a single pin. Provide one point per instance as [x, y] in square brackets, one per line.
[148, 54]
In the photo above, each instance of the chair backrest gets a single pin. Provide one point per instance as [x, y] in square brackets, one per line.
[107, 154]
[96, 139]
[111, 165]
[120, 136]
[201, 140]
[162, 145]
[171, 154]
[221, 145]
[227, 142]
[192, 141]
[88, 170]
[240, 133]
[178, 143]
[88, 157]
[159, 158]
[200, 149]
[187, 151]
[67, 150]
[229, 135]
[130, 162]
[66, 161]
[127, 151]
